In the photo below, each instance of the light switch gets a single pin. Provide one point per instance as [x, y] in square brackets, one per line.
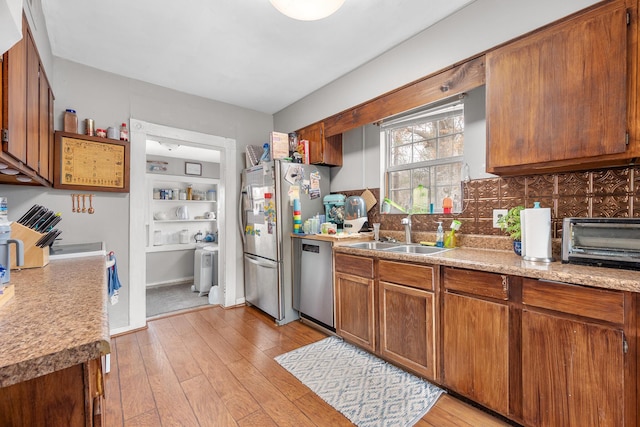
[497, 214]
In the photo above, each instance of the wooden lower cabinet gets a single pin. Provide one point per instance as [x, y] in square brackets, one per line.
[476, 338]
[577, 367]
[407, 327]
[355, 300]
[70, 397]
[566, 381]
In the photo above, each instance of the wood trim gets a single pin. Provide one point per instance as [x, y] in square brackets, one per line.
[440, 85]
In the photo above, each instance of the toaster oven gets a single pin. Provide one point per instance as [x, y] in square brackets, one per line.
[606, 242]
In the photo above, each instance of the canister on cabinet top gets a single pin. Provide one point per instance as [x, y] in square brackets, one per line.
[70, 121]
[89, 127]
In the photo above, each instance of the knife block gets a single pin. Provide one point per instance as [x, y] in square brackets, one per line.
[33, 256]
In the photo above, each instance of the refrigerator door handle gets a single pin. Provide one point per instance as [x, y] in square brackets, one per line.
[241, 223]
[256, 261]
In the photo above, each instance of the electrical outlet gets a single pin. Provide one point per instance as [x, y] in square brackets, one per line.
[497, 214]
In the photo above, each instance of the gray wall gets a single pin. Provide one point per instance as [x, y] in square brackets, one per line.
[478, 27]
[110, 100]
[361, 149]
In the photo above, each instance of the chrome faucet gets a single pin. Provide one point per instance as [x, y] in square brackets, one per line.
[407, 228]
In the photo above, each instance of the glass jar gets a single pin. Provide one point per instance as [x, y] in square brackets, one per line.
[70, 121]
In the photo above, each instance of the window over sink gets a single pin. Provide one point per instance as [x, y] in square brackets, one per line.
[423, 157]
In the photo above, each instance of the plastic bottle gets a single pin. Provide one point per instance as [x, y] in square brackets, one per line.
[440, 236]
[70, 121]
[124, 132]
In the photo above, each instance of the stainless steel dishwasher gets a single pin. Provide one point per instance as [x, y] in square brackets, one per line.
[316, 281]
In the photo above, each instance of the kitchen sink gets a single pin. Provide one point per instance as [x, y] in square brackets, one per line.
[373, 245]
[416, 249]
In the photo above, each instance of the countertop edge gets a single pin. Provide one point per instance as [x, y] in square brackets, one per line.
[511, 264]
[37, 340]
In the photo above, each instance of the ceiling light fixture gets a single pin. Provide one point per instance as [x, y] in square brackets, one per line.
[307, 10]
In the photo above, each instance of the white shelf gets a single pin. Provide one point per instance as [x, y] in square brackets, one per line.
[184, 220]
[182, 201]
[168, 248]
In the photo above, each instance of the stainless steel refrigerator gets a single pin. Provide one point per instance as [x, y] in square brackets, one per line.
[266, 218]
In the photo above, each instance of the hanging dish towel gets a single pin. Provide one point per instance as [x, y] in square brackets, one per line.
[114, 281]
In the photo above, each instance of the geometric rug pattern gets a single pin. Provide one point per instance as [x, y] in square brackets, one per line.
[367, 390]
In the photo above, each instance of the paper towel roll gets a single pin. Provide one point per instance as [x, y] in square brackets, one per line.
[536, 234]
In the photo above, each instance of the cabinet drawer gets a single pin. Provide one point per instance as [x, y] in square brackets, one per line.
[601, 304]
[417, 276]
[357, 265]
[480, 283]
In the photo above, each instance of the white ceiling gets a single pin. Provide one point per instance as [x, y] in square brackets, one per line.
[242, 52]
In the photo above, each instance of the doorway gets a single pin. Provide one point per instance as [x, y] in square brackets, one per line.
[138, 226]
[182, 231]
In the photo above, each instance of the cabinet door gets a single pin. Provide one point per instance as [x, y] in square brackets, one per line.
[566, 382]
[33, 105]
[16, 81]
[322, 151]
[559, 94]
[355, 314]
[476, 350]
[45, 129]
[407, 327]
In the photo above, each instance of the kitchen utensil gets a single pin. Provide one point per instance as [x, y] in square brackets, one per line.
[78, 210]
[91, 210]
[30, 212]
[48, 224]
[73, 203]
[35, 217]
[84, 209]
[40, 224]
[369, 199]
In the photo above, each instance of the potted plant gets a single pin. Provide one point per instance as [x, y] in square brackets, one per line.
[510, 223]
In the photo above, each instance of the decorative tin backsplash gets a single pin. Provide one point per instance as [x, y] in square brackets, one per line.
[612, 193]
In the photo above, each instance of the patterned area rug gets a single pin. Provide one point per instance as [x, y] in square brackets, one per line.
[367, 390]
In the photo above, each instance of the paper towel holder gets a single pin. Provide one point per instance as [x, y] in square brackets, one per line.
[536, 222]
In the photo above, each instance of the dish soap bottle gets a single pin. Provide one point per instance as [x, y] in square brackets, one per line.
[440, 236]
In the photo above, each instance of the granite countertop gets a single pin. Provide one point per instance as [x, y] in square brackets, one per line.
[507, 262]
[57, 318]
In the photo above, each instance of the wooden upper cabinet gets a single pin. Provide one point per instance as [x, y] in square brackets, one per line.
[27, 112]
[33, 105]
[16, 75]
[559, 96]
[322, 151]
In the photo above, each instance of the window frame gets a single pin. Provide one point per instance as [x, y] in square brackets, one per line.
[427, 113]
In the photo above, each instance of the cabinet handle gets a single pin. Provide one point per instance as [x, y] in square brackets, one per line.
[505, 283]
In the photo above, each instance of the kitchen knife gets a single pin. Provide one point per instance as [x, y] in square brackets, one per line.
[27, 215]
[50, 237]
[39, 225]
[48, 225]
[55, 221]
[53, 240]
[41, 240]
[32, 221]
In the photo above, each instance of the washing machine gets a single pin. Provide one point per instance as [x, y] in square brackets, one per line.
[205, 268]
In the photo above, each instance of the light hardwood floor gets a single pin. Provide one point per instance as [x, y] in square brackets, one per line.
[215, 367]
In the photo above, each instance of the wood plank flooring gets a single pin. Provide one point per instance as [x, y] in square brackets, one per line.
[215, 367]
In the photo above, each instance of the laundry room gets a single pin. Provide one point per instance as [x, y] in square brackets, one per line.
[181, 217]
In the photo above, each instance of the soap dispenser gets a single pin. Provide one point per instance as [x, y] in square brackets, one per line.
[440, 235]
